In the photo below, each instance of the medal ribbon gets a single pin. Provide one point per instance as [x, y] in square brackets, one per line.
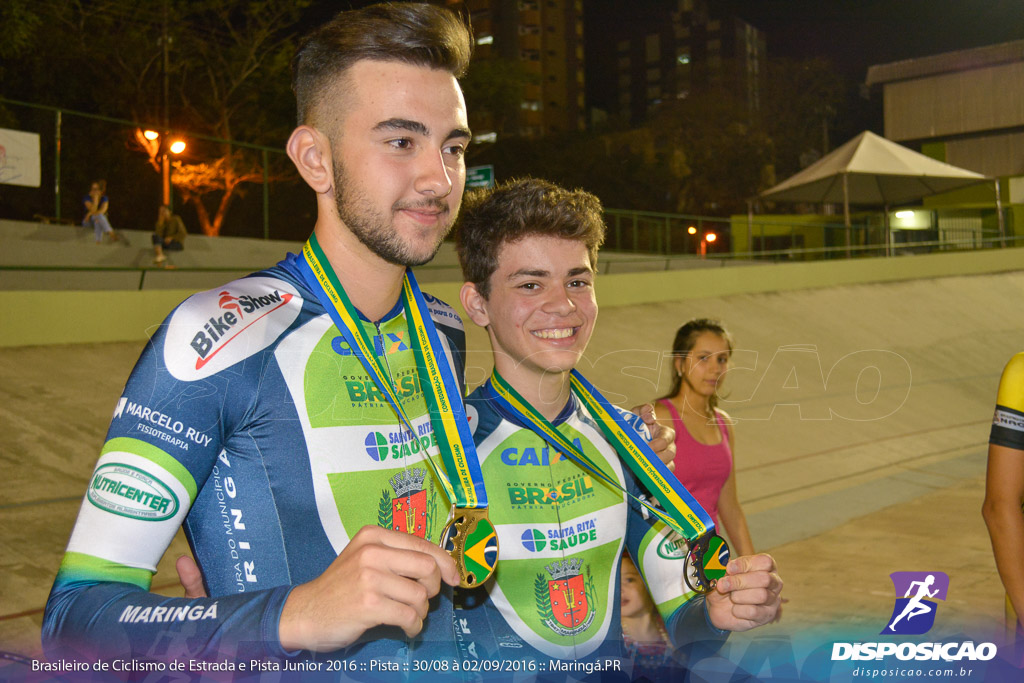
[682, 511]
[464, 483]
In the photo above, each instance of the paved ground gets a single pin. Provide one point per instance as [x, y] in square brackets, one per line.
[862, 421]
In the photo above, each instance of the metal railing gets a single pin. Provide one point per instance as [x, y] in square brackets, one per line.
[86, 148]
[143, 271]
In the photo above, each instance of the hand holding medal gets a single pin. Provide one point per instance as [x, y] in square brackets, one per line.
[472, 542]
[469, 537]
[706, 563]
[747, 596]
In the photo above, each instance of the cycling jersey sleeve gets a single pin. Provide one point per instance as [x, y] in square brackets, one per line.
[168, 430]
[1008, 421]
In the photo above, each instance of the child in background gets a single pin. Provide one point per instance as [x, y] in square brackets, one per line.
[643, 632]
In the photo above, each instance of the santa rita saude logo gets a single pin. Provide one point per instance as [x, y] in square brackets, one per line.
[572, 535]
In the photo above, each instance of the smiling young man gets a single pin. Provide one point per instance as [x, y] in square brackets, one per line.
[293, 443]
[312, 510]
[528, 251]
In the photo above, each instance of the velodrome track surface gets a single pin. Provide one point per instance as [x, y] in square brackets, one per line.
[862, 422]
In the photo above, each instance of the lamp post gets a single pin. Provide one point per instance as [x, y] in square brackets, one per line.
[165, 146]
[708, 237]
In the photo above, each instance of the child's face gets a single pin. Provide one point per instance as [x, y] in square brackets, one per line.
[541, 309]
[634, 598]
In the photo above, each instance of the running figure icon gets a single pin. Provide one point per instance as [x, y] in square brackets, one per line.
[917, 606]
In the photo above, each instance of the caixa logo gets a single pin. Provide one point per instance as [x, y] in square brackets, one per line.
[215, 329]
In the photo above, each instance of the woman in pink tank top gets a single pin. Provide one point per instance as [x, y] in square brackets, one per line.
[704, 436]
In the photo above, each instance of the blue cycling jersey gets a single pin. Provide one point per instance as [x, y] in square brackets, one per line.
[249, 420]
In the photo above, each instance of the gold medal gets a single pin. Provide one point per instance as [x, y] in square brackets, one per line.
[472, 542]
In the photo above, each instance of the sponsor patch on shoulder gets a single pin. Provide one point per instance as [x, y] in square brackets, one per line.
[442, 312]
[130, 492]
[215, 329]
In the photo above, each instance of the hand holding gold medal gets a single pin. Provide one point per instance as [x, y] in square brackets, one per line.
[472, 542]
[470, 537]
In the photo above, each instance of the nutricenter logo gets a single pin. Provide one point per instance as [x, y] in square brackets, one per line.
[914, 614]
[128, 491]
[673, 547]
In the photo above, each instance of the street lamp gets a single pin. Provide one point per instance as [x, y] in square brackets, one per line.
[176, 146]
[708, 237]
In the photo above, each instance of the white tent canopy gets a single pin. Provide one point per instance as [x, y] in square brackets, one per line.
[877, 171]
[870, 169]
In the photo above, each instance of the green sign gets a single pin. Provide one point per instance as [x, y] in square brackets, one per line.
[480, 176]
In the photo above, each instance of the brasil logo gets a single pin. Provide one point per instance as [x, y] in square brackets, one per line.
[914, 613]
[566, 603]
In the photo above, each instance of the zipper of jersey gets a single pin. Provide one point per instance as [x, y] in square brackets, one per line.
[558, 513]
[405, 461]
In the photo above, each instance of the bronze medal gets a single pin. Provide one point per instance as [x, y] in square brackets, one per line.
[705, 563]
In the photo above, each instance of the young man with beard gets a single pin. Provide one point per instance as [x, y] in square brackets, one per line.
[564, 504]
[283, 419]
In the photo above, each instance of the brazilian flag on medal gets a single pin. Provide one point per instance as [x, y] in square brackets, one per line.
[706, 561]
[472, 542]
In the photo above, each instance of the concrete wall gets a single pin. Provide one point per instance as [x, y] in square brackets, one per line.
[66, 317]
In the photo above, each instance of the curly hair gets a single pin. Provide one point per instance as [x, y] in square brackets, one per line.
[519, 208]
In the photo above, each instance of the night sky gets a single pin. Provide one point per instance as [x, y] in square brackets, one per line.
[853, 34]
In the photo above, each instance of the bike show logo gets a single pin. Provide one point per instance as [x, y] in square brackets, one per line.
[570, 536]
[566, 600]
[238, 310]
[914, 613]
[128, 491]
[412, 506]
[217, 328]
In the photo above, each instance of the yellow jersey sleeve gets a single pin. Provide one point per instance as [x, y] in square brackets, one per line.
[1008, 421]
